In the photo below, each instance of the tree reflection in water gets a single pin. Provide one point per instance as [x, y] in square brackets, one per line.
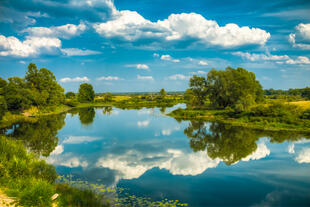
[87, 115]
[231, 143]
[107, 110]
[39, 137]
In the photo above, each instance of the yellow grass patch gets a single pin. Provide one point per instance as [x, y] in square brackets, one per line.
[302, 104]
[31, 111]
[120, 98]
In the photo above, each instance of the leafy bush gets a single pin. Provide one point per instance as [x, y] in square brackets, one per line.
[71, 196]
[36, 192]
[3, 106]
[306, 114]
[70, 95]
[275, 109]
[46, 172]
[28, 179]
[71, 102]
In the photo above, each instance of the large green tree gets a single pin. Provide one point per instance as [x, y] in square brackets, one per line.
[108, 97]
[17, 95]
[237, 88]
[3, 105]
[44, 87]
[306, 93]
[86, 93]
[163, 93]
[198, 87]
[70, 95]
[38, 88]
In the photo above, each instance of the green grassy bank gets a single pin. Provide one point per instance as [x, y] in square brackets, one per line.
[267, 117]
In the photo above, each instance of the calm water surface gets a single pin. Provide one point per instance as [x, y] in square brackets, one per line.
[151, 155]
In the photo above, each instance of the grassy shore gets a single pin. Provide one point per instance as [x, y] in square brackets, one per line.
[225, 116]
[33, 114]
[123, 102]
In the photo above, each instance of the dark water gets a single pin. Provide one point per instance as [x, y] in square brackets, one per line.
[199, 163]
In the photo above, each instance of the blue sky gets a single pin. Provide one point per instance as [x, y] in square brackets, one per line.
[146, 45]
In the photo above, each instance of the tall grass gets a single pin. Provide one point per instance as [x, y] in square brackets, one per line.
[25, 177]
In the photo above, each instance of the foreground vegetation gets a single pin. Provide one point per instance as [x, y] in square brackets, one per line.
[32, 181]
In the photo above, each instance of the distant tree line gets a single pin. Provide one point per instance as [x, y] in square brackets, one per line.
[303, 92]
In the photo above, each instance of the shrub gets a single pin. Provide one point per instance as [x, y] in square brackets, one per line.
[25, 177]
[3, 106]
[306, 114]
[275, 109]
[71, 102]
[37, 192]
[44, 171]
[71, 196]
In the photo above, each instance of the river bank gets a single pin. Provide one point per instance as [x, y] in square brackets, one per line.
[224, 116]
[33, 114]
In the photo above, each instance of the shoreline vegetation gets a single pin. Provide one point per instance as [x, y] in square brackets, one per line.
[246, 121]
[231, 96]
[123, 102]
[235, 97]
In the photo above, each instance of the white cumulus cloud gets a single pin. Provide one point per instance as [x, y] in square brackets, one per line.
[169, 58]
[178, 77]
[65, 31]
[131, 26]
[108, 78]
[140, 77]
[261, 152]
[301, 37]
[279, 59]
[143, 123]
[142, 66]
[258, 57]
[202, 62]
[303, 156]
[298, 60]
[80, 139]
[67, 160]
[199, 72]
[31, 46]
[78, 52]
[77, 79]
[291, 148]
[58, 150]
[133, 163]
